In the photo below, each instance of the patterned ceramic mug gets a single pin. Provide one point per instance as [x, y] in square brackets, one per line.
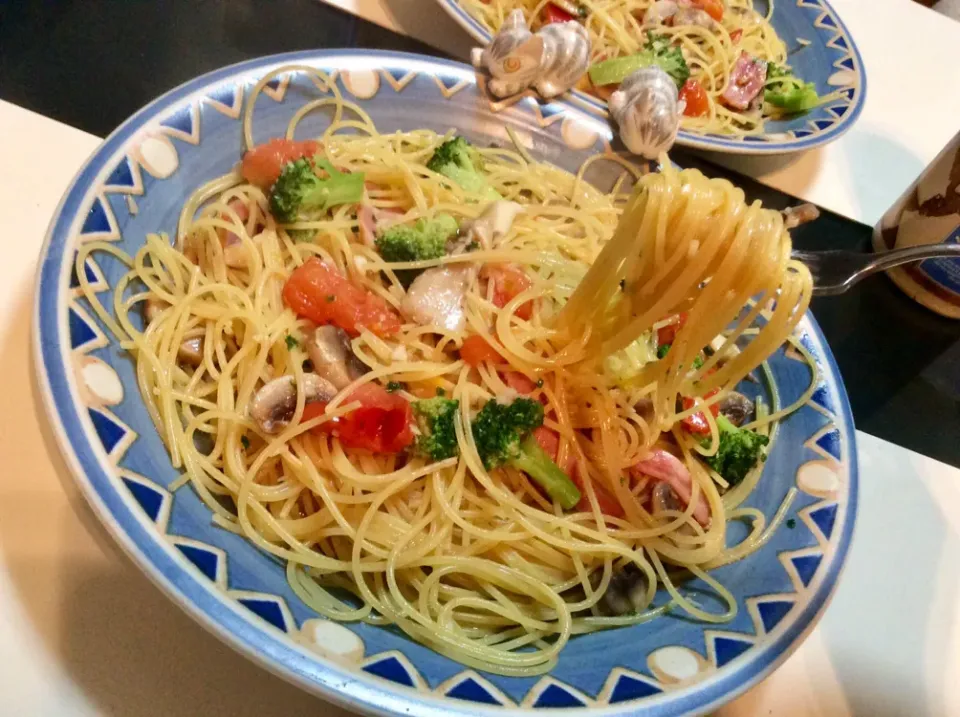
[928, 213]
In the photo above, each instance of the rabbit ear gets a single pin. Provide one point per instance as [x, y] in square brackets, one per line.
[530, 50]
[514, 20]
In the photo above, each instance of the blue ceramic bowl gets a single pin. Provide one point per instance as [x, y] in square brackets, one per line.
[831, 60]
[136, 183]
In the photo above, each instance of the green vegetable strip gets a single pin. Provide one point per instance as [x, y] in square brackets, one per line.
[533, 461]
[616, 70]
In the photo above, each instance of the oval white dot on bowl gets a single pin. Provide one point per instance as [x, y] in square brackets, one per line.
[331, 639]
[576, 135]
[675, 663]
[818, 478]
[159, 157]
[362, 83]
[99, 383]
[842, 78]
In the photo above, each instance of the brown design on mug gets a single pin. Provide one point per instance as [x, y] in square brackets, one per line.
[947, 203]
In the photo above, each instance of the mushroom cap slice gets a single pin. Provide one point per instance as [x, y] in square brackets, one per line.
[191, 351]
[436, 298]
[491, 225]
[274, 404]
[332, 356]
[151, 309]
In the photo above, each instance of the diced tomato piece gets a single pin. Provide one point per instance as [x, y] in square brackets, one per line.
[697, 102]
[736, 35]
[606, 501]
[476, 350]
[713, 8]
[262, 164]
[549, 441]
[320, 293]
[240, 208]
[382, 423]
[508, 283]
[697, 423]
[667, 334]
[554, 13]
[519, 382]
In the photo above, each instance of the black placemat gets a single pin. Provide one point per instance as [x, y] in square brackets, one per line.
[92, 64]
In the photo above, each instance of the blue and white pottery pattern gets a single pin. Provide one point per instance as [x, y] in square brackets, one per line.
[831, 61]
[136, 183]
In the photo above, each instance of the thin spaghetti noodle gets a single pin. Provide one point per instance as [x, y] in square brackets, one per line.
[477, 563]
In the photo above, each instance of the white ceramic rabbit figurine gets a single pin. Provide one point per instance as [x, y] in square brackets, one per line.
[647, 110]
[551, 60]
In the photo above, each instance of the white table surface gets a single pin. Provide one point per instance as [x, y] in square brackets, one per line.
[911, 112]
[82, 632]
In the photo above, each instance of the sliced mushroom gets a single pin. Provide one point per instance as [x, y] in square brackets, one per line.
[663, 499]
[800, 214]
[235, 254]
[737, 408]
[693, 16]
[274, 404]
[492, 224]
[332, 357]
[152, 309]
[191, 351]
[660, 11]
[666, 467]
[436, 297]
[627, 591]
[645, 409]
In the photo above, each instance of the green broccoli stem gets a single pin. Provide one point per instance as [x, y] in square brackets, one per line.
[534, 461]
[725, 425]
[337, 189]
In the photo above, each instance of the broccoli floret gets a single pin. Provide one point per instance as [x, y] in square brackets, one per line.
[739, 451]
[793, 98]
[298, 188]
[435, 419]
[786, 92]
[457, 160]
[776, 71]
[427, 239]
[302, 235]
[502, 433]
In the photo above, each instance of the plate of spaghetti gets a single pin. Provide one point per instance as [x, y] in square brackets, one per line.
[445, 421]
[755, 76]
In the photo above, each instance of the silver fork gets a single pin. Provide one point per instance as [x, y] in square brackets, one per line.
[835, 270]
